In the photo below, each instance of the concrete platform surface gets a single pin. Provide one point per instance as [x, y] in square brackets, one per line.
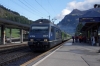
[71, 54]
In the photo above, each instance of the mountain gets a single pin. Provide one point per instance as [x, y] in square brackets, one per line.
[77, 12]
[70, 21]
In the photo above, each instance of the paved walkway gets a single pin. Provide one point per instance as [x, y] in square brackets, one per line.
[12, 44]
[72, 54]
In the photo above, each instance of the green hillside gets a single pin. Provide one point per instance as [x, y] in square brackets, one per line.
[15, 32]
[8, 14]
[13, 16]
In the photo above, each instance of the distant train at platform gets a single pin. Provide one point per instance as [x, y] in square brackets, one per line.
[44, 35]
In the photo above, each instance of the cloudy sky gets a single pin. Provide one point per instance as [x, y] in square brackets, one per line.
[75, 4]
[36, 9]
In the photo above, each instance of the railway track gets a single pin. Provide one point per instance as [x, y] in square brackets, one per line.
[39, 57]
[10, 53]
[20, 55]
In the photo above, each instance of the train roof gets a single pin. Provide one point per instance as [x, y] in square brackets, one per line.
[42, 21]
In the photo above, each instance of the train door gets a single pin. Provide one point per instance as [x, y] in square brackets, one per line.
[52, 34]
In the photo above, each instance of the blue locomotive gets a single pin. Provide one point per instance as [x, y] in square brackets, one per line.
[44, 35]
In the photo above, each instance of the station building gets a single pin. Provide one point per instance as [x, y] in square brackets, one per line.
[91, 26]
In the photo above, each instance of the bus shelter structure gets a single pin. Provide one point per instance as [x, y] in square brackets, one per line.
[91, 26]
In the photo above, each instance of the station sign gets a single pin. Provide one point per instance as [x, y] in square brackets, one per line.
[89, 19]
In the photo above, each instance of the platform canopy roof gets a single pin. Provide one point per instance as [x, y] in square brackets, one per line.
[89, 22]
[89, 19]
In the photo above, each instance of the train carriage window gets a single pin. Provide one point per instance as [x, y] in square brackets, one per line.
[60, 34]
[52, 31]
[57, 34]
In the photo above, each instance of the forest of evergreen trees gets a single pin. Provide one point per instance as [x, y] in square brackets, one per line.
[13, 16]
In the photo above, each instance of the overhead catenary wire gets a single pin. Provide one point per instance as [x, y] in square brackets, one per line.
[51, 6]
[53, 19]
[43, 7]
[19, 5]
[34, 8]
[28, 7]
[23, 7]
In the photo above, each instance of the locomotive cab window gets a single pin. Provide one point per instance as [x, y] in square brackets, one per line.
[39, 29]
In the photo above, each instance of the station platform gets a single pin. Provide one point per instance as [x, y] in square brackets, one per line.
[12, 44]
[71, 54]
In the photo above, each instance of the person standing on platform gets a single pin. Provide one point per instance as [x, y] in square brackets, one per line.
[93, 40]
[76, 38]
[73, 38]
[80, 38]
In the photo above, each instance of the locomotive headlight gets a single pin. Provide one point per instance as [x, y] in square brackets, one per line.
[31, 39]
[45, 40]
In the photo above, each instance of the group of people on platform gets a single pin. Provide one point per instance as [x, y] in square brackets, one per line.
[81, 38]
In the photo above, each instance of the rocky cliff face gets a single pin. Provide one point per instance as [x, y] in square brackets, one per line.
[70, 21]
